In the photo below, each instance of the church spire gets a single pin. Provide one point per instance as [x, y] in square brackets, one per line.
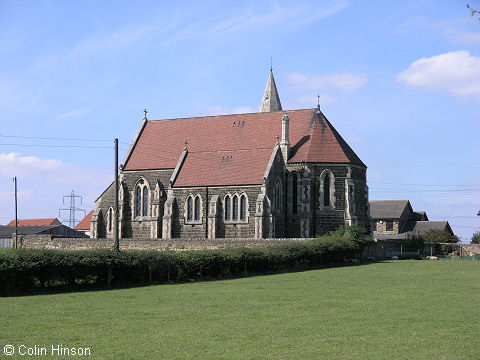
[270, 101]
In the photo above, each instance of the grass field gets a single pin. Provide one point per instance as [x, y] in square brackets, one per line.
[388, 310]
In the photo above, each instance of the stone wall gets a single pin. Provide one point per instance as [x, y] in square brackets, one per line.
[47, 242]
[180, 229]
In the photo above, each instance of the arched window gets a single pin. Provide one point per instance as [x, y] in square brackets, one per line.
[141, 199]
[193, 209]
[138, 201]
[227, 208]
[145, 201]
[294, 194]
[110, 219]
[235, 208]
[197, 207]
[326, 190]
[189, 208]
[243, 207]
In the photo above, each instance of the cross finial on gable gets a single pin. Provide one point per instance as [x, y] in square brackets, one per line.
[318, 101]
[186, 143]
[145, 112]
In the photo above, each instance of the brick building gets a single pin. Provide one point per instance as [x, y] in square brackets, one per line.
[274, 173]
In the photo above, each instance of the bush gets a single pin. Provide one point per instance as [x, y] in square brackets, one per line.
[30, 270]
[415, 243]
[476, 238]
[439, 236]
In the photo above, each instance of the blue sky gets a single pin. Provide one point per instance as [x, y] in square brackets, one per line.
[400, 80]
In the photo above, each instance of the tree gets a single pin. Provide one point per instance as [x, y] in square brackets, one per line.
[476, 237]
[439, 236]
[472, 11]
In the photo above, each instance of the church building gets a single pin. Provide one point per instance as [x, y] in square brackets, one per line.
[271, 174]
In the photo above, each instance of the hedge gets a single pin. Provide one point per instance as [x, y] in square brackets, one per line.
[33, 270]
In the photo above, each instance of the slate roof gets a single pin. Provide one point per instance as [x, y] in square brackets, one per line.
[84, 224]
[421, 227]
[6, 231]
[29, 222]
[419, 216]
[248, 138]
[387, 209]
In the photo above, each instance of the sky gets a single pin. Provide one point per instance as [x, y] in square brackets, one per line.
[400, 81]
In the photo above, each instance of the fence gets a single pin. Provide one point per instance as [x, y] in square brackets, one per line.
[5, 243]
[390, 248]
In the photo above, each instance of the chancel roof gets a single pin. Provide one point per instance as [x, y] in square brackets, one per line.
[235, 149]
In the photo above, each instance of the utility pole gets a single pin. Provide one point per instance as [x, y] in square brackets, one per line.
[16, 217]
[117, 243]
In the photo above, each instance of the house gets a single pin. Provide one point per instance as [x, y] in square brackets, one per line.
[84, 225]
[274, 173]
[395, 219]
[7, 232]
[30, 222]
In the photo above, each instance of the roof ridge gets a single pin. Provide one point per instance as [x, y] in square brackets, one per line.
[227, 115]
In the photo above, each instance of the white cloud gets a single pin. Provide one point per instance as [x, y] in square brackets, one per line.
[454, 30]
[52, 171]
[73, 114]
[168, 30]
[460, 36]
[455, 72]
[346, 82]
[42, 183]
[309, 100]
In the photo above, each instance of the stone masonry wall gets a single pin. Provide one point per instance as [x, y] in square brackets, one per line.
[227, 230]
[47, 242]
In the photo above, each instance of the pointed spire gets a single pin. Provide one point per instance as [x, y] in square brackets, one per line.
[271, 100]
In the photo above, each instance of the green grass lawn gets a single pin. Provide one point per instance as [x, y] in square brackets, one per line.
[389, 310]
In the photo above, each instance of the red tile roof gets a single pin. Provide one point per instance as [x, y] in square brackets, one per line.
[241, 167]
[249, 138]
[85, 223]
[31, 222]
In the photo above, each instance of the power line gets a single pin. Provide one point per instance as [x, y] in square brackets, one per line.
[62, 146]
[390, 183]
[58, 138]
[426, 190]
[425, 165]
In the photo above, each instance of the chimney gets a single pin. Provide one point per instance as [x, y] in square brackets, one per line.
[285, 143]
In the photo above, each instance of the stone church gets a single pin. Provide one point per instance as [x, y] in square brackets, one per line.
[274, 173]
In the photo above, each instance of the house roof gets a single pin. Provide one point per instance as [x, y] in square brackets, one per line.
[8, 230]
[30, 222]
[248, 138]
[421, 227]
[419, 216]
[387, 209]
[84, 224]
